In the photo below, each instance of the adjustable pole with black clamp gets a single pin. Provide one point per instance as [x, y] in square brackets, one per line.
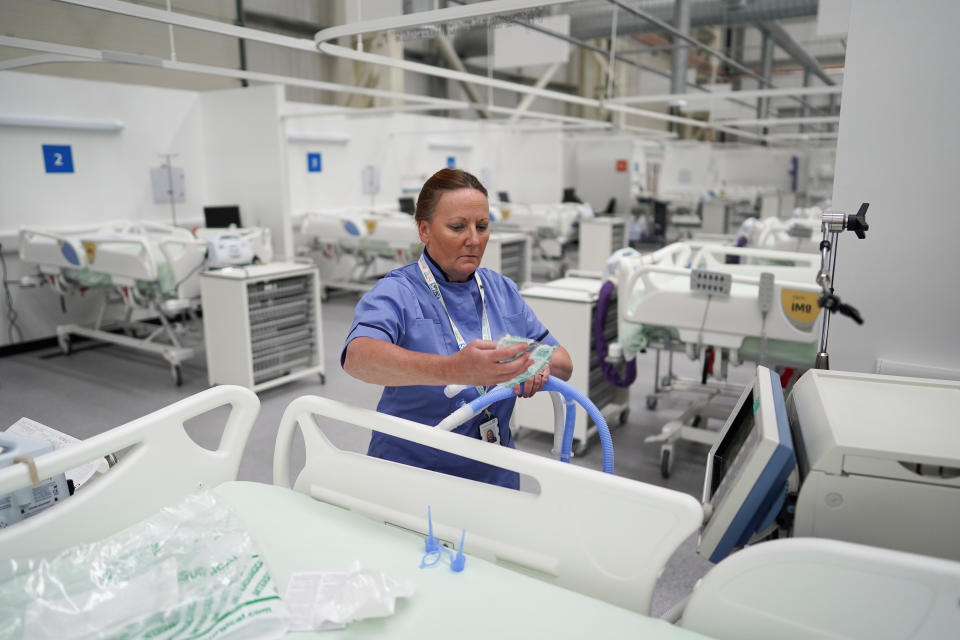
[833, 223]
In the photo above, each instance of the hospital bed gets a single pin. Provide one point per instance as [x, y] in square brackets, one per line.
[551, 227]
[799, 234]
[353, 247]
[149, 267]
[577, 558]
[721, 305]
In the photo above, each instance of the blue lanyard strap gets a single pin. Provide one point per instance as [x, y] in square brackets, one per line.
[435, 288]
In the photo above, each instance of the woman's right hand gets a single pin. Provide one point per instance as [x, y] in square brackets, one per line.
[481, 362]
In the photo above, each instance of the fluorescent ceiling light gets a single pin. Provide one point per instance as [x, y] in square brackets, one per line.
[333, 137]
[449, 144]
[58, 122]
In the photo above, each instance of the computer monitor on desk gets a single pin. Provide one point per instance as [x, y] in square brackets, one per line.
[745, 483]
[407, 205]
[221, 217]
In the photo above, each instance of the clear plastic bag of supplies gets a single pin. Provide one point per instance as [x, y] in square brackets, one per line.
[540, 353]
[190, 571]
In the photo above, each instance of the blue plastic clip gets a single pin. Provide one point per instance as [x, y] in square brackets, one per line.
[430, 544]
[434, 551]
[459, 560]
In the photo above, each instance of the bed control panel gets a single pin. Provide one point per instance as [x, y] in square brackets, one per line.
[712, 282]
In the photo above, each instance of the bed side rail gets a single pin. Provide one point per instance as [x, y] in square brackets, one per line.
[602, 535]
[163, 465]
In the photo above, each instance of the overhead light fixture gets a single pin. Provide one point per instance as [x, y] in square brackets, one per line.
[58, 122]
[449, 144]
[319, 137]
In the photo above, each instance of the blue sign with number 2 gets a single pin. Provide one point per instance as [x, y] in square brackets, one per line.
[314, 162]
[57, 158]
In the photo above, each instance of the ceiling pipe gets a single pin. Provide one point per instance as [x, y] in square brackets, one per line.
[583, 44]
[81, 54]
[587, 23]
[795, 50]
[723, 95]
[450, 55]
[678, 63]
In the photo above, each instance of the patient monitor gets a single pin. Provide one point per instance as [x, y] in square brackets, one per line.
[745, 484]
[868, 458]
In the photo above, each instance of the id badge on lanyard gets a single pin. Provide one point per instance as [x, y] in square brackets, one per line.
[461, 343]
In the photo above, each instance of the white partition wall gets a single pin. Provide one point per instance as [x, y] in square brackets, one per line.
[897, 149]
[111, 168]
[244, 158]
[227, 143]
[405, 150]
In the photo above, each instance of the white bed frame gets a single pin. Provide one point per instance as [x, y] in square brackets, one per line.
[123, 251]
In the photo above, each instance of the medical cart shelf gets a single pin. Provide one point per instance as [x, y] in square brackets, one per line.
[262, 324]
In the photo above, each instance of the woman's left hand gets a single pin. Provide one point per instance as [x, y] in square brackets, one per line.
[533, 384]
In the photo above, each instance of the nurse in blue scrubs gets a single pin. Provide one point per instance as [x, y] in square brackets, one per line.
[436, 322]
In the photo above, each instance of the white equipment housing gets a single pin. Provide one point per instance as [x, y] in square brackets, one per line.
[570, 304]
[879, 460]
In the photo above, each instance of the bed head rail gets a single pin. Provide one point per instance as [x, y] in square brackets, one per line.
[163, 465]
[50, 250]
[605, 536]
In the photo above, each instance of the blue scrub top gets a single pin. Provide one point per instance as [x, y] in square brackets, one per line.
[401, 309]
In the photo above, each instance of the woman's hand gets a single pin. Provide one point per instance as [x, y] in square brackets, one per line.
[481, 362]
[533, 384]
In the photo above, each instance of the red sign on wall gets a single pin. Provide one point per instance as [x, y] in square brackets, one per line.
[621, 166]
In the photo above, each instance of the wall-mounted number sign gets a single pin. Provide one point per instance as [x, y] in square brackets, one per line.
[451, 162]
[57, 158]
[314, 162]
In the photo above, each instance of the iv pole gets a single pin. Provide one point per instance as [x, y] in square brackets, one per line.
[833, 223]
[170, 191]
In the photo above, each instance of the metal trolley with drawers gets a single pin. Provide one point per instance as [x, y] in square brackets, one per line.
[262, 324]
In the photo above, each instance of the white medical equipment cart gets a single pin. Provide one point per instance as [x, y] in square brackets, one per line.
[262, 324]
[600, 237]
[509, 255]
[567, 307]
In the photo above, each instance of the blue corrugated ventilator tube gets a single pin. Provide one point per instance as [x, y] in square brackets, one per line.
[610, 372]
[569, 392]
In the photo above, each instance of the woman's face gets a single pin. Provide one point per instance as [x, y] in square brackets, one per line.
[457, 235]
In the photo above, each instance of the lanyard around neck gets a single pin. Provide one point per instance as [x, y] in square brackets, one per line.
[435, 288]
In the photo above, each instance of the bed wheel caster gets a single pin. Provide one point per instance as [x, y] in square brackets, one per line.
[622, 418]
[651, 402]
[177, 374]
[665, 463]
[323, 378]
[581, 449]
[64, 342]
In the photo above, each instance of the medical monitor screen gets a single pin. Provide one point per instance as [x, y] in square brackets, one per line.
[745, 484]
[732, 443]
[504, 196]
[407, 205]
[221, 217]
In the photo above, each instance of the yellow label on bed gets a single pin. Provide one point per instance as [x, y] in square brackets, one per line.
[800, 306]
[504, 212]
[90, 248]
[371, 225]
